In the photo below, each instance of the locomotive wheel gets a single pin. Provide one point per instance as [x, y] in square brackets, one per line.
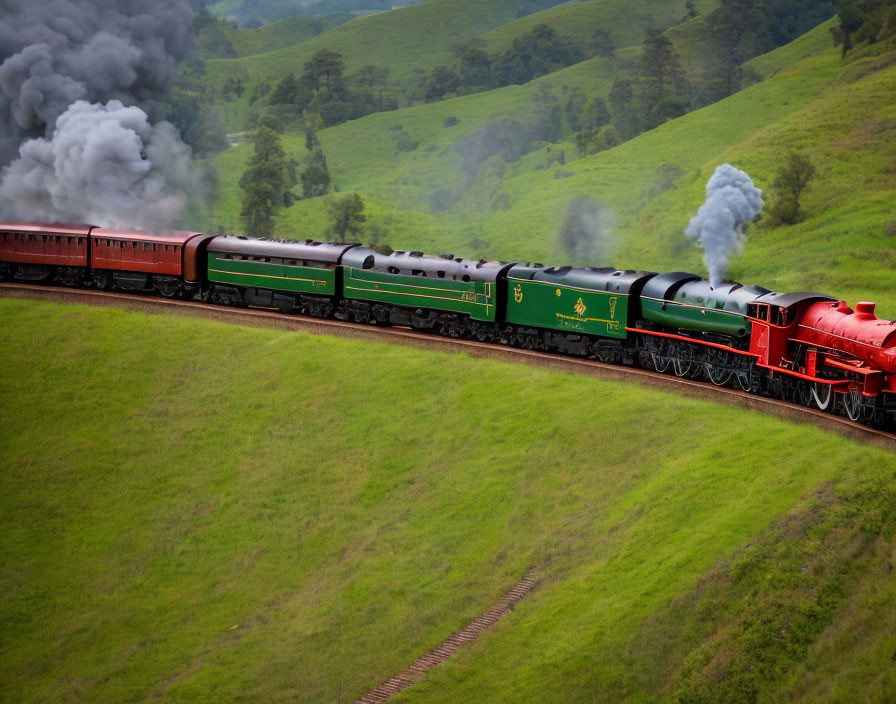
[822, 396]
[659, 356]
[716, 371]
[683, 362]
[802, 393]
[852, 403]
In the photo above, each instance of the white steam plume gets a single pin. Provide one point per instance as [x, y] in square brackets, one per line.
[104, 165]
[731, 202]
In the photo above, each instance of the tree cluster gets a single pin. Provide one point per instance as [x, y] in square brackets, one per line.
[324, 89]
[742, 29]
[537, 53]
[864, 22]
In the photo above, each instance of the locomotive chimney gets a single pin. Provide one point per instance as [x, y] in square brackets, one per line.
[865, 310]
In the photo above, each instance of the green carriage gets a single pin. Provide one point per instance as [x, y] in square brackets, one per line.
[286, 275]
[446, 293]
[579, 311]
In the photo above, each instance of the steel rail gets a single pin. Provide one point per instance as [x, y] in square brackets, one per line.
[259, 317]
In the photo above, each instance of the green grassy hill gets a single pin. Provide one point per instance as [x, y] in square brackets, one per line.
[414, 39]
[277, 35]
[419, 36]
[275, 516]
[839, 114]
[625, 22]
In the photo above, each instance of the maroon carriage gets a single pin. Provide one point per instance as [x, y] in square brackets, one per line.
[44, 252]
[138, 261]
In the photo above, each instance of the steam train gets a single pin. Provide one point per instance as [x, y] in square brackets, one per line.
[809, 348]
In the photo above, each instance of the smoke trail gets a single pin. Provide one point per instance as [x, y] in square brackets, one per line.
[587, 233]
[105, 164]
[54, 52]
[731, 202]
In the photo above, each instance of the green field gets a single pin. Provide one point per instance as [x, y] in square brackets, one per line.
[193, 511]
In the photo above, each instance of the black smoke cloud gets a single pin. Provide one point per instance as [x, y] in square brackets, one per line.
[55, 52]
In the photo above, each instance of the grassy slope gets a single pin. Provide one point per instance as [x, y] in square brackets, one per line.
[311, 514]
[406, 42]
[277, 35]
[626, 22]
[419, 36]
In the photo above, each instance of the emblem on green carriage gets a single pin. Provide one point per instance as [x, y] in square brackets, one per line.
[579, 308]
[613, 308]
[518, 293]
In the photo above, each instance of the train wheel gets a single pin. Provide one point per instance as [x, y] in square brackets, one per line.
[168, 289]
[717, 369]
[802, 393]
[659, 355]
[822, 396]
[852, 403]
[683, 362]
[103, 280]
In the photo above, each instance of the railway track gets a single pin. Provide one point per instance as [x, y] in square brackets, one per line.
[267, 318]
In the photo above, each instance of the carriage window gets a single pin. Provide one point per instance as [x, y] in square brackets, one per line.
[121, 245]
[418, 272]
[134, 245]
[146, 245]
[290, 262]
[441, 274]
[166, 247]
[393, 270]
[465, 277]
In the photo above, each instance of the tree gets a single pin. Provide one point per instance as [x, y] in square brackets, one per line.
[313, 124]
[574, 109]
[347, 215]
[264, 182]
[316, 175]
[661, 68]
[626, 117]
[603, 45]
[791, 179]
[741, 29]
[371, 77]
[441, 81]
[547, 119]
[326, 66]
[257, 212]
[475, 68]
